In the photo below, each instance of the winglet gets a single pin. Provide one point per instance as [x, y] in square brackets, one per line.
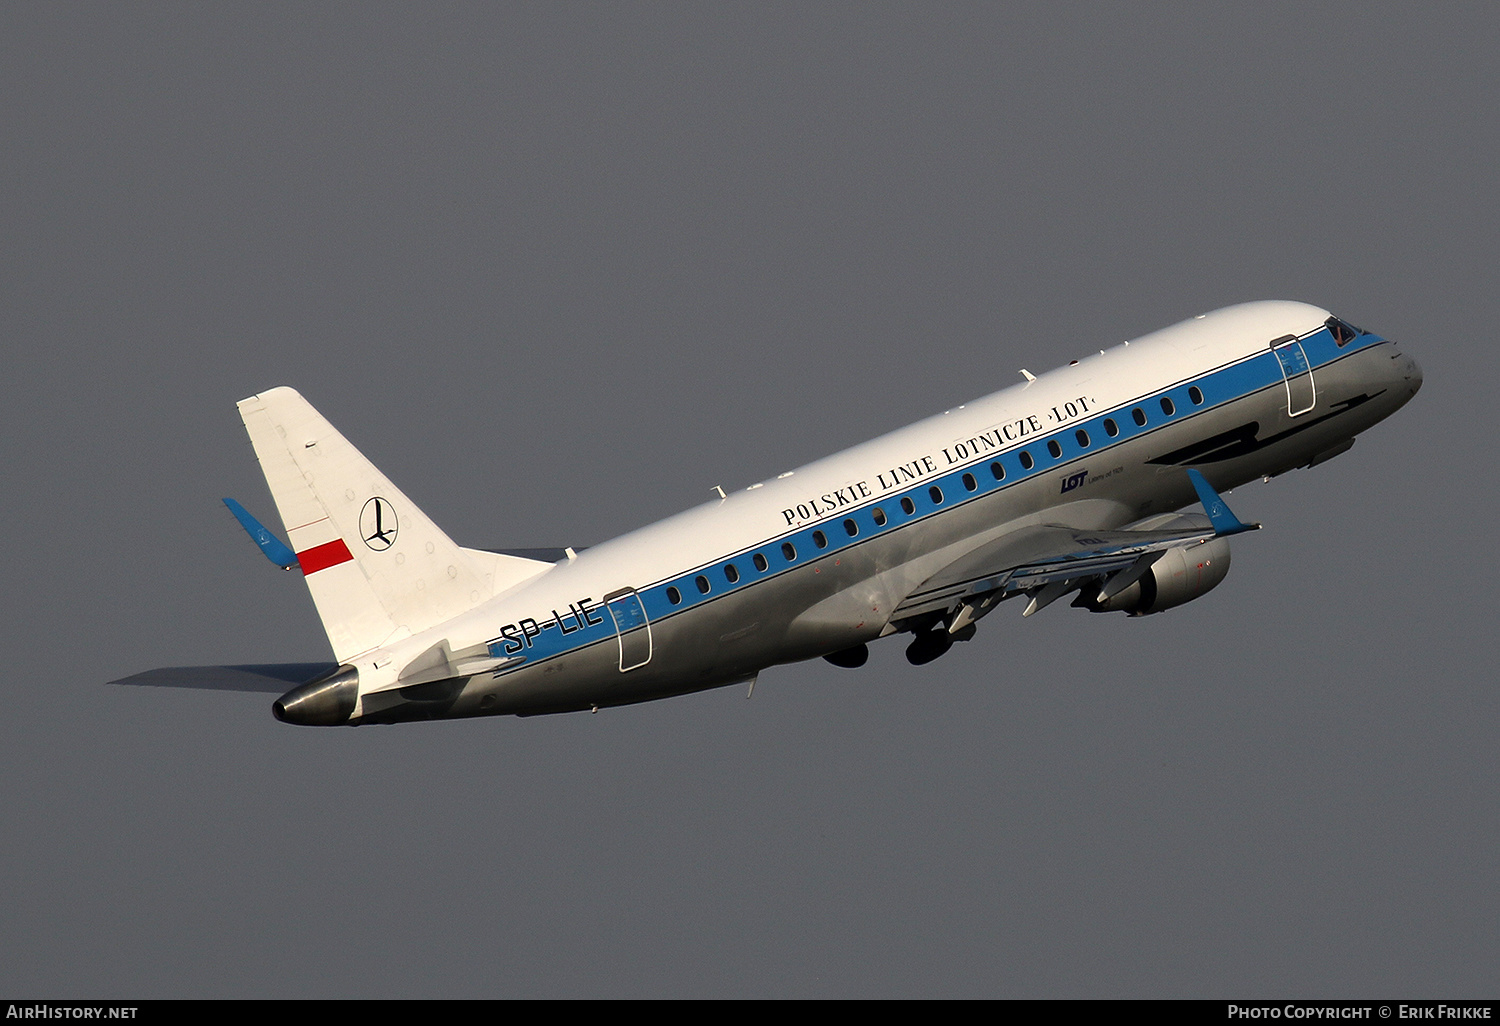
[1219, 514]
[272, 546]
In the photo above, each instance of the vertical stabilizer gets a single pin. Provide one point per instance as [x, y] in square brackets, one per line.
[377, 568]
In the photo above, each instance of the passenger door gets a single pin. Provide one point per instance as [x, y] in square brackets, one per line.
[1301, 394]
[632, 629]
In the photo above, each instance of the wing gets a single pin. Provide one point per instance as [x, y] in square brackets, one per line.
[1047, 560]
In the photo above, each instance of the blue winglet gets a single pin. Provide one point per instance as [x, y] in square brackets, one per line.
[271, 545]
[1219, 514]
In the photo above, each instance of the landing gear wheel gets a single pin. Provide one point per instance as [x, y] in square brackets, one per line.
[849, 658]
[928, 646]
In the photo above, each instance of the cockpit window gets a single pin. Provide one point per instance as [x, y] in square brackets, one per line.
[1343, 333]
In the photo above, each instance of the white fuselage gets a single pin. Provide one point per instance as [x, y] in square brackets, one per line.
[822, 558]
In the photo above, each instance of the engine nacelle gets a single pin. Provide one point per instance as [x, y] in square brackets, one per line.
[1182, 575]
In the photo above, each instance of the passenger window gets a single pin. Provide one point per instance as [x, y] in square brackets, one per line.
[1083, 438]
[851, 528]
[879, 515]
[702, 583]
[760, 562]
[1026, 461]
[1054, 448]
[1110, 427]
[936, 493]
[997, 470]
[732, 573]
[1167, 407]
[1139, 416]
[907, 506]
[788, 551]
[1196, 395]
[674, 596]
[820, 539]
[970, 483]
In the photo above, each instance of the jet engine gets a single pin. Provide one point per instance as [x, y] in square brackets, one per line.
[1181, 575]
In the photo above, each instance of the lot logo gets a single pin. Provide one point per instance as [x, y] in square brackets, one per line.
[1069, 483]
[378, 524]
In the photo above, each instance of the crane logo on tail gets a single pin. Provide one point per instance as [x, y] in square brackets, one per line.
[378, 524]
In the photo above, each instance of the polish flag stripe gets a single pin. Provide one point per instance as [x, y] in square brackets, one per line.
[321, 557]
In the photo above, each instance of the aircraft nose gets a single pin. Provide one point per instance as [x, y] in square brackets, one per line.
[1413, 375]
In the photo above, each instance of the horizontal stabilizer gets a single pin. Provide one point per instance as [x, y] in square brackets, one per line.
[547, 555]
[272, 678]
[274, 548]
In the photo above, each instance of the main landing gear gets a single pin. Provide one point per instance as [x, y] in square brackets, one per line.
[931, 644]
[850, 658]
[928, 645]
[934, 633]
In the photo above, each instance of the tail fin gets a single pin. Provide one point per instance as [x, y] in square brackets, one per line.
[377, 568]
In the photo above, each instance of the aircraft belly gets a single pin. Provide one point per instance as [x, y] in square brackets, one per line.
[712, 645]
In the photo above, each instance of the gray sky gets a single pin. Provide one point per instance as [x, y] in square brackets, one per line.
[559, 270]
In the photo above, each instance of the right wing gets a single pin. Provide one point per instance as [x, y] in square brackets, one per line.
[1047, 560]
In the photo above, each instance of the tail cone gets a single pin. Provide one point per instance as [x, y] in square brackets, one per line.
[326, 702]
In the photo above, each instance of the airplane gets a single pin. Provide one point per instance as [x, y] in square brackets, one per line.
[1066, 483]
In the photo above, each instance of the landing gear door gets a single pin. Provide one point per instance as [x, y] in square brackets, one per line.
[632, 628]
[1301, 395]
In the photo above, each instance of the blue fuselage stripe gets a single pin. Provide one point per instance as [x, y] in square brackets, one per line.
[1220, 386]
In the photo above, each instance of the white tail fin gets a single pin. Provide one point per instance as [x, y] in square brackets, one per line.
[377, 568]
